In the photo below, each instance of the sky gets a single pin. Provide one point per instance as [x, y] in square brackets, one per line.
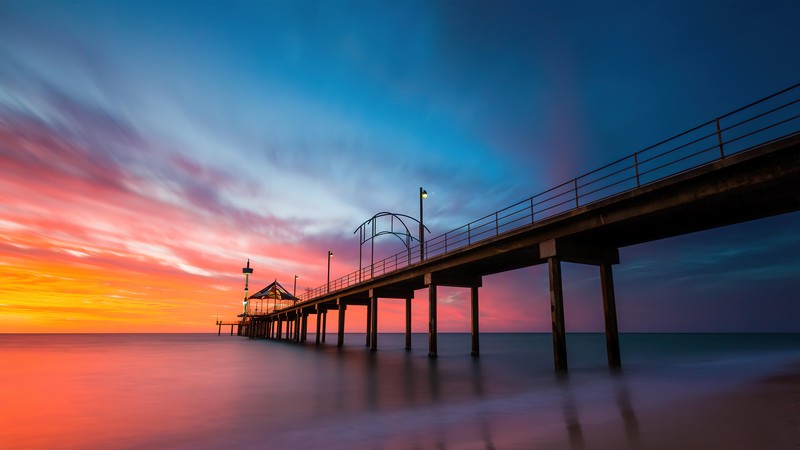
[149, 149]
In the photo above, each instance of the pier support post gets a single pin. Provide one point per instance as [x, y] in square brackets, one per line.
[557, 315]
[231, 329]
[296, 329]
[342, 309]
[475, 332]
[280, 328]
[319, 323]
[219, 330]
[408, 323]
[304, 329]
[610, 312]
[432, 337]
[324, 324]
[319, 316]
[369, 321]
[373, 328]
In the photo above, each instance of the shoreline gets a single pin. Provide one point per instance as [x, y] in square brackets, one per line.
[760, 413]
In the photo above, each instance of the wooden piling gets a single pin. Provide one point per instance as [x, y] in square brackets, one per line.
[432, 337]
[369, 322]
[304, 328]
[342, 309]
[408, 323]
[319, 316]
[324, 324]
[296, 325]
[610, 313]
[557, 315]
[373, 308]
[475, 331]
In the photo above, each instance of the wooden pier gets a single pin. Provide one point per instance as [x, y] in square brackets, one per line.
[739, 167]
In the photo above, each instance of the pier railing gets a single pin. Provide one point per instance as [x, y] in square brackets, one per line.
[752, 126]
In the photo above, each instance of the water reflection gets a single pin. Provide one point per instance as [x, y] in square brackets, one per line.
[617, 387]
[570, 410]
[629, 419]
[230, 392]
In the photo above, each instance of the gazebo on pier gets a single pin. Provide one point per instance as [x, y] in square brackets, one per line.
[272, 298]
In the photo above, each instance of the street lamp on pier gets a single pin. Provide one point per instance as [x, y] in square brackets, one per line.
[294, 291]
[423, 194]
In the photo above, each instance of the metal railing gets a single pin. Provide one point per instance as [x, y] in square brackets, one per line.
[752, 126]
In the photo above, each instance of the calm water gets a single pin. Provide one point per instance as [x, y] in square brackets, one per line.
[213, 392]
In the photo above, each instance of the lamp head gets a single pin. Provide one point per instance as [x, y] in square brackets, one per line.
[424, 193]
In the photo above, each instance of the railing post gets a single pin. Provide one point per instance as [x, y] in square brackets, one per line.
[575, 184]
[719, 140]
[469, 237]
[445, 242]
[532, 220]
[496, 225]
[636, 166]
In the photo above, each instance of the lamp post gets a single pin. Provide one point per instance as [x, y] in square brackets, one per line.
[422, 195]
[330, 255]
[294, 291]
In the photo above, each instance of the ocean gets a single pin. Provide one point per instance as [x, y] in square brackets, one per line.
[203, 391]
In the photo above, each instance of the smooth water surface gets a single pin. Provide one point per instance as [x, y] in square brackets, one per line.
[178, 391]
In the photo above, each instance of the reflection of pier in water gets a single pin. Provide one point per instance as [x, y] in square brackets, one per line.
[742, 166]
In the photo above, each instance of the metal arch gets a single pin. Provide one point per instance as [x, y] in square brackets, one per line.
[393, 215]
[405, 237]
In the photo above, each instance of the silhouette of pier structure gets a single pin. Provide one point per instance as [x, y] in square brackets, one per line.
[741, 166]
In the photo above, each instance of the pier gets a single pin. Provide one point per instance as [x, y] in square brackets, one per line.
[741, 166]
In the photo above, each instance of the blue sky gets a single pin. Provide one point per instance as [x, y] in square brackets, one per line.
[270, 130]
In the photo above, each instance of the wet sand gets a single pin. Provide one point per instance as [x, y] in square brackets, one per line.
[759, 414]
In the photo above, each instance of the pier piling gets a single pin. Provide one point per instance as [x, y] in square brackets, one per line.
[369, 323]
[610, 313]
[557, 315]
[373, 309]
[474, 314]
[432, 337]
[342, 309]
[319, 316]
[408, 323]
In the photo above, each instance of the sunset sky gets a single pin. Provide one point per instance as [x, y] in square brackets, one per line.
[148, 149]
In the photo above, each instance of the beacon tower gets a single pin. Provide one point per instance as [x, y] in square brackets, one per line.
[246, 271]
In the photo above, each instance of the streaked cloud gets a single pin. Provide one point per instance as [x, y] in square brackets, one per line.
[147, 150]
